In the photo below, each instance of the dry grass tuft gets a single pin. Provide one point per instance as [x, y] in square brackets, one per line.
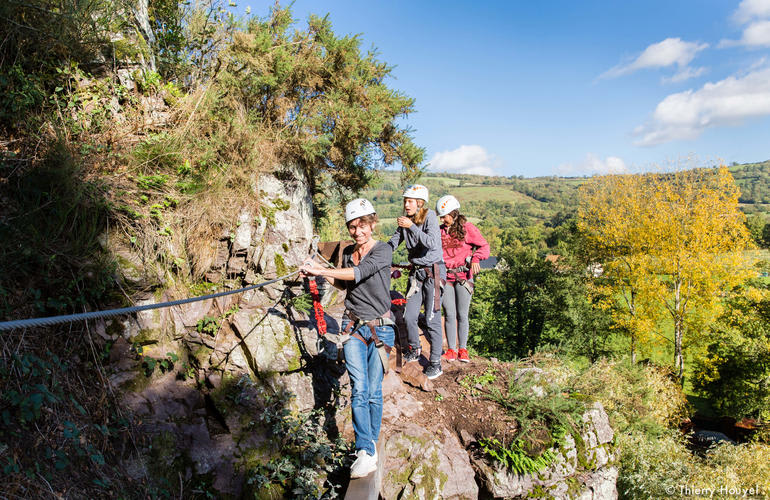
[635, 396]
[187, 184]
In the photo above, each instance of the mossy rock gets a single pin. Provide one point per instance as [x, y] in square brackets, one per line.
[418, 474]
[225, 396]
[140, 381]
[201, 355]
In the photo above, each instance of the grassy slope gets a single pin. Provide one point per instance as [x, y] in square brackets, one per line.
[545, 196]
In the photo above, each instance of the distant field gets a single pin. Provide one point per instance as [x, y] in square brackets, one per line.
[446, 180]
[574, 181]
[535, 200]
[489, 193]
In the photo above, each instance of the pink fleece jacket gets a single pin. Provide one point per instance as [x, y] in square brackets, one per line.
[456, 252]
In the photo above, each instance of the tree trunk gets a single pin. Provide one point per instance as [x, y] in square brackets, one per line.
[678, 319]
[632, 309]
[142, 19]
[678, 358]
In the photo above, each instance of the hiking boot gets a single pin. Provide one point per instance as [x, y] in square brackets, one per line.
[462, 355]
[411, 354]
[449, 355]
[433, 371]
[364, 465]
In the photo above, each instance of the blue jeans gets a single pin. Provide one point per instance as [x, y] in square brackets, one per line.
[366, 372]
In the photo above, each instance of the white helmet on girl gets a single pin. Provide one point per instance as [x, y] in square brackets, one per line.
[446, 204]
[358, 208]
[417, 191]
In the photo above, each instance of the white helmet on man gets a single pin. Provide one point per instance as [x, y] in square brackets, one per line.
[358, 208]
[417, 191]
[446, 204]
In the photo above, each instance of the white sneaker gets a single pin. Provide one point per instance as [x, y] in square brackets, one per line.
[364, 465]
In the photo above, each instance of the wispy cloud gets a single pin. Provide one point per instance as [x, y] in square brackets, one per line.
[593, 164]
[729, 102]
[755, 15]
[684, 74]
[669, 52]
[467, 159]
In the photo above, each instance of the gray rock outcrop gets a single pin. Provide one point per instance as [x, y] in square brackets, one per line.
[424, 464]
[233, 351]
[580, 470]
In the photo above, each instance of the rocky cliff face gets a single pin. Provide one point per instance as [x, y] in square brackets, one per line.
[200, 378]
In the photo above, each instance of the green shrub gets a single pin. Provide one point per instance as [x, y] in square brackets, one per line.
[653, 467]
[21, 94]
[515, 457]
[543, 409]
[301, 461]
[324, 99]
[735, 373]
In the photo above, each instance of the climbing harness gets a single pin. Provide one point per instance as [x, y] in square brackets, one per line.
[339, 339]
[466, 283]
[383, 349]
[417, 275]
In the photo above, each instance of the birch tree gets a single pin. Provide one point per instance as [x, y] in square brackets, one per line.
[669, 243]
[618, 235]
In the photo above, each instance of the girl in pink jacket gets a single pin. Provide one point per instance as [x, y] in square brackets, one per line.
[464, 247]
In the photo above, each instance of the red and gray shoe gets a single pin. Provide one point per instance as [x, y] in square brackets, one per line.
[462, 355]
[411, 354]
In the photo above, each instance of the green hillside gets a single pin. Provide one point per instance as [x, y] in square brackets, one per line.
[534, 208]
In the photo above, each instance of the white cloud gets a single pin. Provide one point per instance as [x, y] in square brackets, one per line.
[669, 52]
[757, 34]
[755, 14]
[752, 9]
[685, 115]
[592, 164]
[472, 159]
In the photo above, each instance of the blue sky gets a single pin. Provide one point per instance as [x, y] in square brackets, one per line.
[572, 87]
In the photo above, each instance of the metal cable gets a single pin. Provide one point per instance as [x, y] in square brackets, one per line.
[53, 320]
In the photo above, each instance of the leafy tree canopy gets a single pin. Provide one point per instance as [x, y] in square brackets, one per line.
[325, 101]
[673, 243]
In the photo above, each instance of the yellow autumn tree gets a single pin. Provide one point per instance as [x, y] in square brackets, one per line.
[669, 243]
[618, 236]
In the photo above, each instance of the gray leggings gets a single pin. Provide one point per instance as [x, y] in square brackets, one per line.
[457, 303]
[424, 296]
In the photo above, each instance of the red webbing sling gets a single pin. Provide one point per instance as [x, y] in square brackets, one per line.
[317, 307]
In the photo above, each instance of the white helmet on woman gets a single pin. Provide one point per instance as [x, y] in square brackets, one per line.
[417, 191]
[358, 208]
[446, 204]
